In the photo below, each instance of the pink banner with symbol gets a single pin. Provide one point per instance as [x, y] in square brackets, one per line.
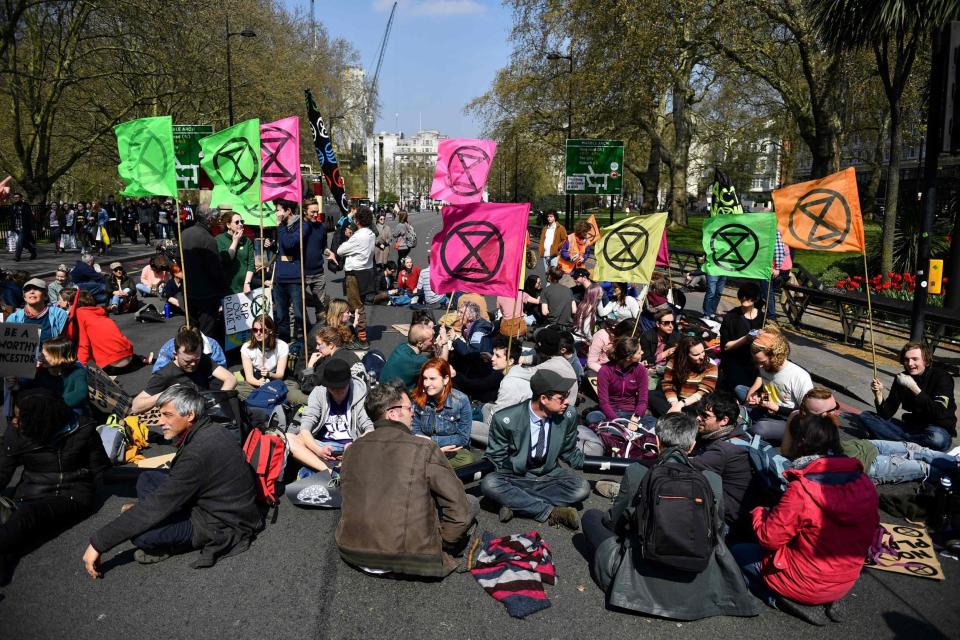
[280, 160]
[663, 256]
[479, 249]
[462, 169]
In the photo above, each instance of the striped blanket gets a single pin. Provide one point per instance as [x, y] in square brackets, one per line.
[513, 569]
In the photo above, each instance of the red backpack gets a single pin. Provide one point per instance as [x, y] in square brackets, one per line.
[266, 452]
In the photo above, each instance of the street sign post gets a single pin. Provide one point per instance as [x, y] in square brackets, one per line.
[594, 167]
[186, 145]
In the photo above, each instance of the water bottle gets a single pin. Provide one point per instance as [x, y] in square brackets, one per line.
[166, 310]
[942, 520]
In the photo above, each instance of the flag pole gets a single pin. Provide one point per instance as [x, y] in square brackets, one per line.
[303, 286]
[643, 300]
[873, 344]
[183, 265]
[263, 281]
[516, 299]
[766, 307]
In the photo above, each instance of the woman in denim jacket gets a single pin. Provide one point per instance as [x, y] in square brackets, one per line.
[449, 426]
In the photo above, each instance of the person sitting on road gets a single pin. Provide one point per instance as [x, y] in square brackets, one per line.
[813, 542]
[426, 297]
[442, 413]
[653, 588]
[332, 419]
[515, 387]
[189, 365]
[61, 373]
[62, 459]
[61, 281]
[926, 395]
[407, 279]
[688, 376]
[622, 384]
[657, 299]
[86, 275]
[484, 388]
[328, 343]
[884, 461]
[383, 283]
[779, 388]
[35, 311]
[407, 359]
[526, 442]
[154, 276]
[607, 332]
[475, 331]
[588, 307]
[532, 310]
[206, 501]
[122, 291]
[338, 316]
[172, 293]
[404, 509]
[168, 352]
[659, 343]
[556, 302]
[622, 306]
[568, 351]
[98, 338]
[259, 369]
[740, 326]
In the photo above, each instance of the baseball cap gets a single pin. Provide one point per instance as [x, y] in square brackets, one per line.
[36, 283]
[115, 265]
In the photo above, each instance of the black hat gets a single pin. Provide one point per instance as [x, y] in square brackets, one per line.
[545, 382]
[548, 341]
[336, 374]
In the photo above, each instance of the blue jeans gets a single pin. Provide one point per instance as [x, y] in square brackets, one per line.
[285, 294]
[748, 557]
[175, 533]
[931, 437]
[908, 461]
[400, 300]
[535, 496]
[143, 289]
[769, 426]
[711, 299]
[96, 289]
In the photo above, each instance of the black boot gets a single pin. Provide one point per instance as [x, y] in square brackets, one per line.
[812, 614]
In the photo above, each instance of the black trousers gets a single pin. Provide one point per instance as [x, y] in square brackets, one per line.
[37, 519]
[591, 522]
[205, 315]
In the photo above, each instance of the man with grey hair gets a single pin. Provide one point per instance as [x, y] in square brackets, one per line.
[404, 509]
[205, 276]
[188, 507]
[631, 580]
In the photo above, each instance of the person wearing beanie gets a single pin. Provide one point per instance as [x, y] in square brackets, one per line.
[526, 442]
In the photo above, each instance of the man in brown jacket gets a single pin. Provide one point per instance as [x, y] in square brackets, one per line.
[552, 237]
[404, 509]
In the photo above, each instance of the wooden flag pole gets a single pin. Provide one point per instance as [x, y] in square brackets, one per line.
[303, 285]
[766, 307]
[643, 301]
[523, 256]
[183, 265]
[263, 283]
[873, 344]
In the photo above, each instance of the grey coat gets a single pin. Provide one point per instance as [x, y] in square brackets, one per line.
[317, 409]
[653, 589]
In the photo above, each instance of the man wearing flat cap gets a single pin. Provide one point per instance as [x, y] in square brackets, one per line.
[527, 441]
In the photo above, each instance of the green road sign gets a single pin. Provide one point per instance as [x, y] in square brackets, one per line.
[594, 167]
[186, 145]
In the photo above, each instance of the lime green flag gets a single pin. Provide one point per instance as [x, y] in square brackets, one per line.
[231, 159]
[148, 165]
[740, 246]
[627, 251]
[250, 213]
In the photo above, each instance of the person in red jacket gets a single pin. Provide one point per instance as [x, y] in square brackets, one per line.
[814, 541]
[98, 337]
[407, 277]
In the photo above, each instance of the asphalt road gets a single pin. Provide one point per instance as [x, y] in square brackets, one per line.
[292, 584]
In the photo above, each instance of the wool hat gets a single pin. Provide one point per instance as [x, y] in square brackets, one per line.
[545, 382]
[336, 374]
[35, 282]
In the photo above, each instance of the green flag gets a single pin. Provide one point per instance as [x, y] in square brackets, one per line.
[148, 165]
[628, 250]
[740, 246]
[231, 159]
[250, 213]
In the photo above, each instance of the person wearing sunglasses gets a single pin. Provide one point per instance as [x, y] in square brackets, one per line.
[264, 357]
[236, 253]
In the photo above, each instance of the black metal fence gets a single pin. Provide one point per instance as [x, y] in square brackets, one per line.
[41, 221]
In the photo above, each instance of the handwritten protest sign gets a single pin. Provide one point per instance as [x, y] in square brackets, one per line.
[19, 344]
[915, 553]
[239, 310]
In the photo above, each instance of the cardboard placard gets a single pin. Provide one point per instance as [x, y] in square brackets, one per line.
[239, 310]
[19, 347]
[916, 555]
[155, 462]
[402, 329]
[105, 394]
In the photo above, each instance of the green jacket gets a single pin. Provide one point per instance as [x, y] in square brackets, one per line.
[235, 268]
[509, 445]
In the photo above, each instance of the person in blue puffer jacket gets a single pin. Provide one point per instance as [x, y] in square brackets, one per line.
[442, 413]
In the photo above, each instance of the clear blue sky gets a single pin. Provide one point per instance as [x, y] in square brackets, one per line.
[441, 54]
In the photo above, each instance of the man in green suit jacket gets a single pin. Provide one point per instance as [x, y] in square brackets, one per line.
[526, 442]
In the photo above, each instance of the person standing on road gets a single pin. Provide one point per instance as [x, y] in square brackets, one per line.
[236, 253]
[358, 271]
[21, 221]
[552, 237]
[314, 248]
[404, 237]
[287, 274]
[207, 284]
[384, 236]
[145, 213]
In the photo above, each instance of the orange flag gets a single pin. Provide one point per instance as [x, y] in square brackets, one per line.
[594, 230]
[821, 215]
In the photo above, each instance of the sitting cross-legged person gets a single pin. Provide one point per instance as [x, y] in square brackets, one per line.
[484, 385]
[191, 506]
[622, 384]
[813, 542]
[442, 413]
[688, 376]
[526, 443]
[688, 581]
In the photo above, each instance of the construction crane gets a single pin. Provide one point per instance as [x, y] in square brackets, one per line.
[373, 87]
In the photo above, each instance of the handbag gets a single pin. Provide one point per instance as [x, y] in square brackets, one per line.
[619, 441]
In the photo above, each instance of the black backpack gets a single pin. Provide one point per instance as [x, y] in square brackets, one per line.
[676, 515]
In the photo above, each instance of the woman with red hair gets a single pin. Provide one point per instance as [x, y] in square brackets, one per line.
[442, 413]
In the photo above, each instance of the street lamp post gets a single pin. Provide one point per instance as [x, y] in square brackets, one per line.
[246, 33]
[554, 55]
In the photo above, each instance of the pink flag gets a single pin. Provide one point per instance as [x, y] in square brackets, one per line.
[280, 160]
[663, 256]
[479, 249]
[462, 169]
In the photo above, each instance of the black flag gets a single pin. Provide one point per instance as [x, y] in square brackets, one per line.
[325, 154]
[724, 199]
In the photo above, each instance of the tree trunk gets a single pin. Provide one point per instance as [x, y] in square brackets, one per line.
[680, 152]
[651, 181]
[893, 193]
